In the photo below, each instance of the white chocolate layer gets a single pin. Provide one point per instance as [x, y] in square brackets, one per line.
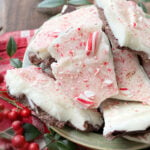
[128, 23]
[73, 41]
[133, 82]
[52, 28]
[86, 72]
[43, 91]
[125, 116]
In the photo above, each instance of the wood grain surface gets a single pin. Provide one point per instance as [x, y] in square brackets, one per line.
[20, 15]
[2, 16]
[23, 15]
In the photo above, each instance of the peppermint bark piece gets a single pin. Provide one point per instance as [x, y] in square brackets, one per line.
[123, 118]
[88, 79]
[38, 47]
[126, 25]
[133, 82]
[73, 41]
[44, 93]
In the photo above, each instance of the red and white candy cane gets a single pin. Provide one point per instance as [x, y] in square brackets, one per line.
[91, 43]
[86, 99]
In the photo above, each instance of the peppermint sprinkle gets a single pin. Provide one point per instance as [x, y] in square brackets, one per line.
[123, 89]
[134, 24]
[89, 94]
[91, 43]
[109, 82]
[97, 71]
[84, 100]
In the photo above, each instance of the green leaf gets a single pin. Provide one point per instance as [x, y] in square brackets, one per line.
[50, 142]
[144, 0]
[51, 3]
[11, 47]
[66, 145]
[55, 142]
[57, 136]
[1, 58]
[30, 132]
[15, 62]
[142, 6]
[7, 134]
[10, 131]
[78, 2]
[147, 16]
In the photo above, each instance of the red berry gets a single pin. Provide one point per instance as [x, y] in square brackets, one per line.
[25, 147]
[5, 112]
[16, 125]
[25, 112]
[19, 131]
[33, 146]
[13, 115]
[18, 141]
[1, 116]
[1, 78]
[1, 106]
[16, 110]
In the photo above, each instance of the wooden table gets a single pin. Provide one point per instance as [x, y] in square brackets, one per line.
[20, 15]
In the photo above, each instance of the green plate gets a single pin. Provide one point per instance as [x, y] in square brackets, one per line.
[97, 141]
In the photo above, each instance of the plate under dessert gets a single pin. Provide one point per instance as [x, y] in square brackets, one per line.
[91, 139]
[97, 141]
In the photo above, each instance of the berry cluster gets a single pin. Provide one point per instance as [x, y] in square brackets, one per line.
[16, 115]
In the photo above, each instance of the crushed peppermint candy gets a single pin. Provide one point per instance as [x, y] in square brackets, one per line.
[89, 94]
[91, 43]
[86, 99]
[108, 82]
[123, 89]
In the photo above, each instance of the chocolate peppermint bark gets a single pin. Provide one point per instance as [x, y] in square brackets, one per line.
[52, 28]
[45, 94]
[126, 25]
[125, 118]
[84, 69]
[133, 82]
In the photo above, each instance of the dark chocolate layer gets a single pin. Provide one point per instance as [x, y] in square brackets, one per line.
[52, 121]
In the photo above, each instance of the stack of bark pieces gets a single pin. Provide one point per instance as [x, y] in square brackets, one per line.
[88, 63]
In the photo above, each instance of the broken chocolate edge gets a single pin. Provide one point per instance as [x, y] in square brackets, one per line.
[52, 121]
